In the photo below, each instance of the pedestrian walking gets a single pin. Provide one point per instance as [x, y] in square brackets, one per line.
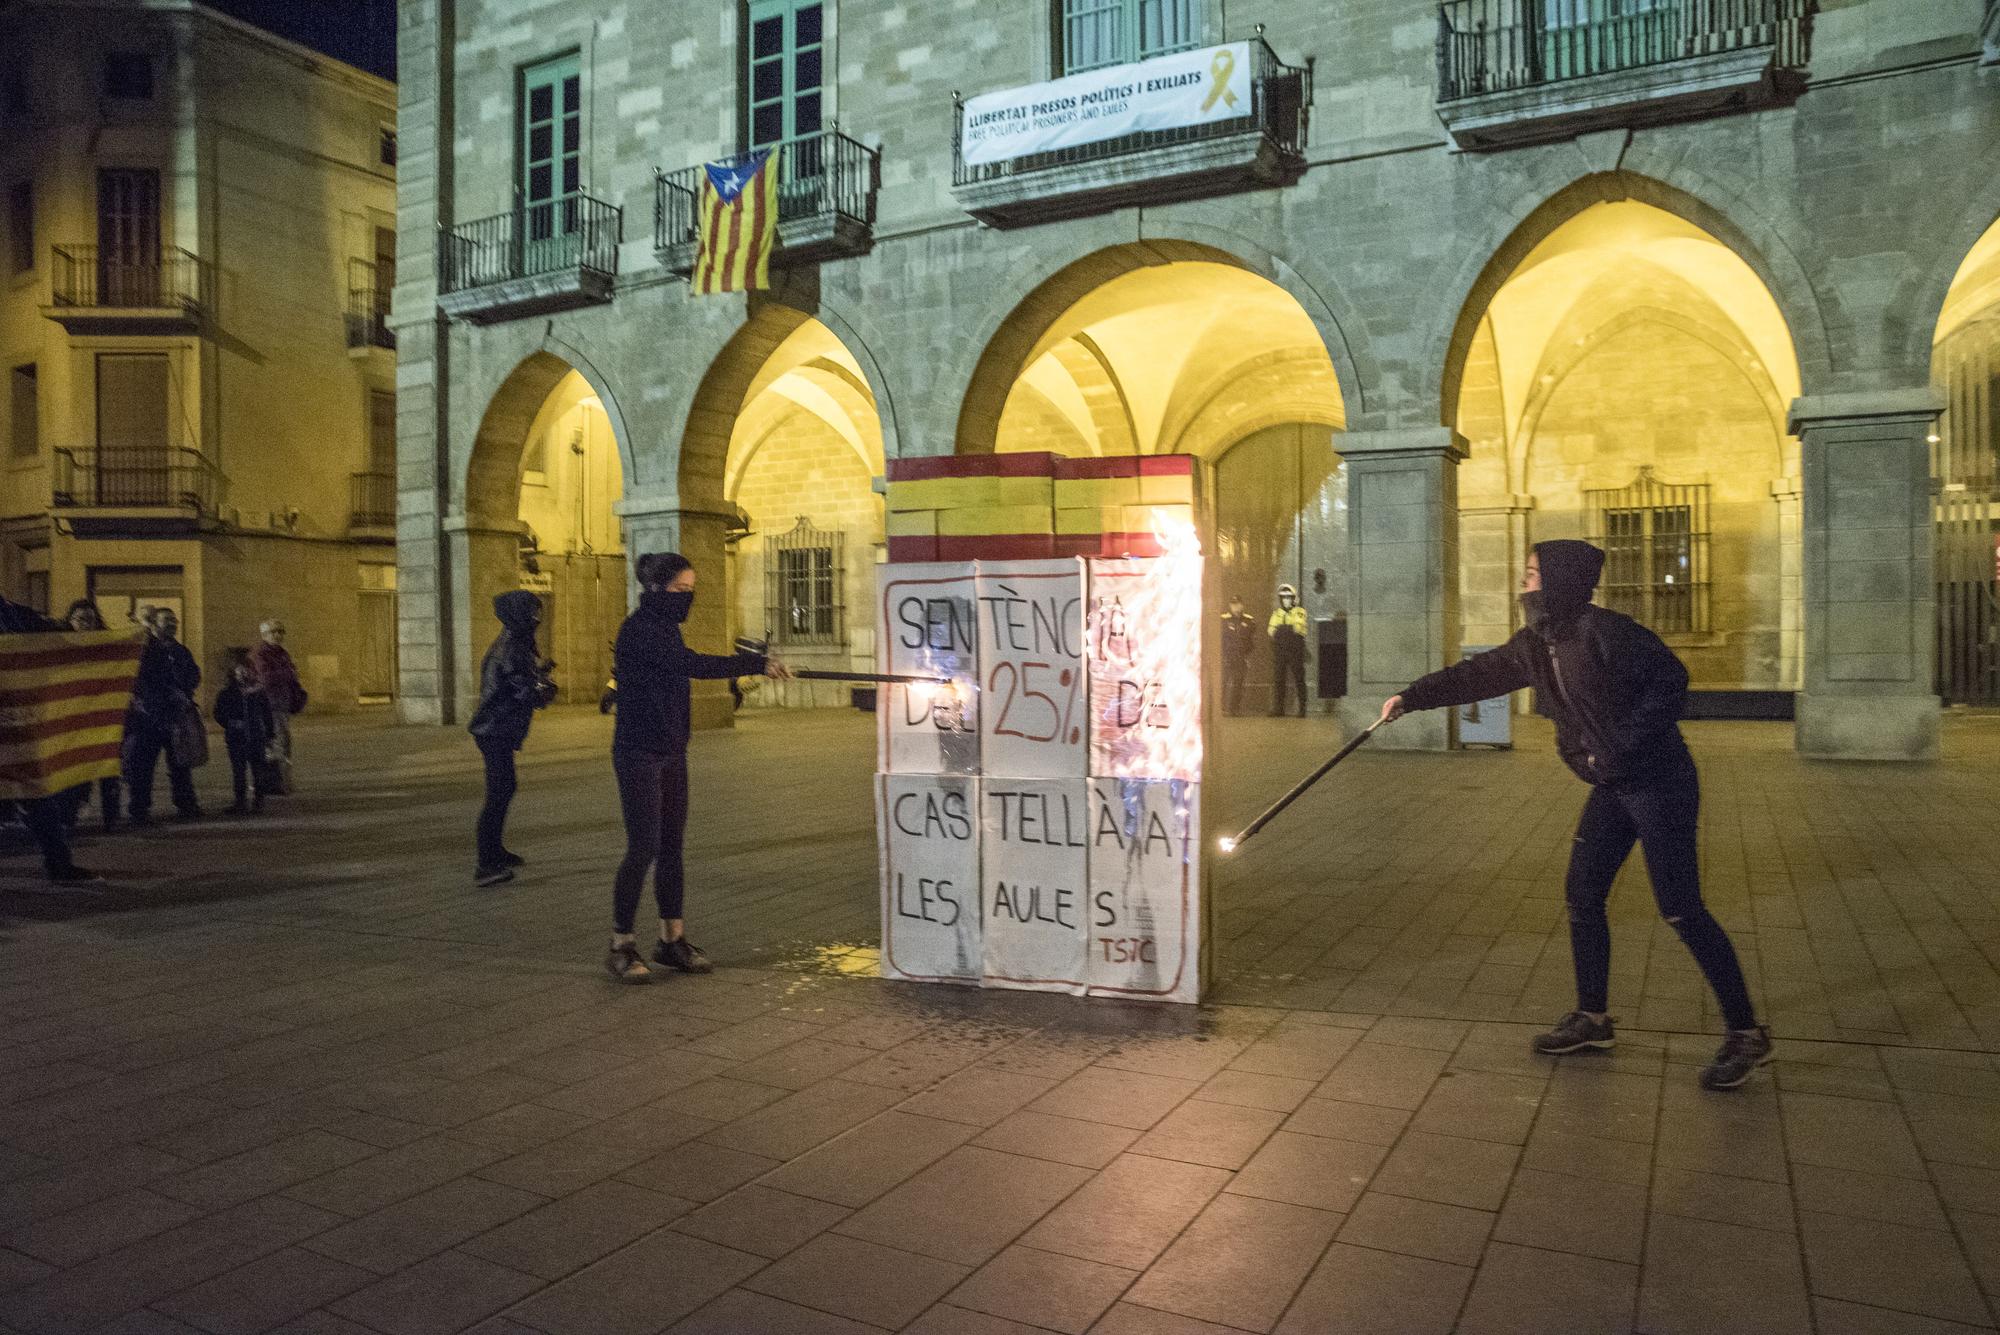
[1287, 629]
[513, 683]
[43, 816]
[280, 679]
[243, 712]
[164, 720]
[1615, 692]
[653, 667]
[83, 615]
[1239, 633]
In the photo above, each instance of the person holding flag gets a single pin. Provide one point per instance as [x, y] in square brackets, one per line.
[737, 222]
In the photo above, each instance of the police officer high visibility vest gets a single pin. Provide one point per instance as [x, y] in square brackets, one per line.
[1293, 620]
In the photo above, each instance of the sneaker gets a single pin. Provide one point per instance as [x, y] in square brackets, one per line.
[1573, 1033]
[496, 875]
[684, 955]
[73, 875]
[508, 859]
[1742, 1052]
[626, 966]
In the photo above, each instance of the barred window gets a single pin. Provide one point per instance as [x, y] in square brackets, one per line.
[1096, 33]
[803, 578]
[1655, 538]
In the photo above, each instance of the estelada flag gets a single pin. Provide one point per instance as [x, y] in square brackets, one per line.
[738, 223]
[63, 697]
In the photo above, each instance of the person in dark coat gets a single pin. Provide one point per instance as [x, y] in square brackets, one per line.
[653, 667]
[243, 712]
[1615, 692]
[1239, 636]
[83, 615]
[163, 694]
[43, 816]
[513, 683]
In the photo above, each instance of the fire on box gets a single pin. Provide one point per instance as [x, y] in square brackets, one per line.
[1040, 816]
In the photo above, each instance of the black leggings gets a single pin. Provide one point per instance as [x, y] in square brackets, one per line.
[1661, 817]
[500, 785]
[653, 793]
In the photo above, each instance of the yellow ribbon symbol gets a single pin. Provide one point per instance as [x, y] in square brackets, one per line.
[1219, 71]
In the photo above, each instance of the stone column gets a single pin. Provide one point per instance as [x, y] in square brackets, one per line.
[485, 560]
[659, 524]
[1870, 634]
[1402, 525]
[1787, 493]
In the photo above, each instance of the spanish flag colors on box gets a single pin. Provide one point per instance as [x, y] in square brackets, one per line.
[997, 507]
[63, 697]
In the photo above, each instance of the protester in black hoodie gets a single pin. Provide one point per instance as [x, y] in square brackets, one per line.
[653, 667]
[513, 684]
[1615, 692]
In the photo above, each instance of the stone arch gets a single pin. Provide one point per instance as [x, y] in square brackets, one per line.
[492, 473]
[1919, 303]
[1532, 217]
[1009, 330]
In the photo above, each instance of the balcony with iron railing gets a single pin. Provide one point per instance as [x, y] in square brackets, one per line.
[1264, 146]
[1528, 71]
[368, 309]
[128, 489]
[827, 184]
[371, 503]
[552, 255]
[97, 291]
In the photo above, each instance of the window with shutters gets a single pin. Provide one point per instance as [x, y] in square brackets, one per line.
[24, 425]
[786, 77]
[1091, 34]
[802, 582]
[1655, 538]
[551, 152]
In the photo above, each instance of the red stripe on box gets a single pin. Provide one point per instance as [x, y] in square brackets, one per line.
[1035, 464]
[996, 547]
[1130, 544]
[904, 550]
[1122, 465]
[1167, 465]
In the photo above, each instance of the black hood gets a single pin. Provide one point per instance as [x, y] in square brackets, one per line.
[1569, 576]
[518, 611]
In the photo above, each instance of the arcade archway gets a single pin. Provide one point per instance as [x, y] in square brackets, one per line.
[1965, 366]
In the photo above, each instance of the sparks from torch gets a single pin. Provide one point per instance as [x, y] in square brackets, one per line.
[1230, 843]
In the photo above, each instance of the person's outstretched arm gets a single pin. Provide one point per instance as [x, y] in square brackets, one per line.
[1481, 677]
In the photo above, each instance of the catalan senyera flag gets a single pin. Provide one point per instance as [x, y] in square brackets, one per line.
[738, 223]
[63, 697]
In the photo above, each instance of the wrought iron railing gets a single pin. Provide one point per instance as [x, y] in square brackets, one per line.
[572, 232]
[88, 278]
[823, 174]
[371, 500]
[136, 476]
[1495, 46]
[1280, 106]
[368, 308]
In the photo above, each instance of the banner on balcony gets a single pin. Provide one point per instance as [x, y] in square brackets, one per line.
[1164, 93]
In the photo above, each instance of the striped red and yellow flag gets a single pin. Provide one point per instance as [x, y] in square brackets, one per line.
[738, 223]
[62, 708]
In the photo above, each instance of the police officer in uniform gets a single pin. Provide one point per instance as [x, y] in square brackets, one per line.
[1287, 630]
[1239, 633]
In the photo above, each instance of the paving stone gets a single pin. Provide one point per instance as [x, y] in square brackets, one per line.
[980, 1096]
[640, 1289]
[1385, 1075]
[854, 1168]
[563, 1167]
[1358, 1288]
[1118, 1098]
[388, 1176]
[449, 1291]
[1522, 1289]
[1725, 1200]
[1866, 1261]
[1299, 1051]
[763, 1221]
[269, 1291]
[1060, 1293]
[859, 1279]
[1128, 1319]
[1448, 1169]
[1058, 1139]
[1870, 1195]
[802, 1064]
[1447, 1233]
[1840, 1133]
[1220, 1135]
[797, 1122]
[967, 1206]
[1839, 1318]
[567, 1234]
[738, 1312]
[1712, 1277]
[1628, 1161]
[102, 1226]
[698, 1175]
[423, 1225]
[1481, 1105]
[1127, 1215]
[521, 1127]
[1248, 1089]
[1190, 1057]
[1337, 1120]
[1308, 1170]
[1239, 1263]
[1560, 1213]
[258, 1172]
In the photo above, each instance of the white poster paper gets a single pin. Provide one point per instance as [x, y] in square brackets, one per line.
[928, 826]
[1032, 692]
[929, 628]
[1034, 856]
[1143, 639]
[1164, 93]
[1145, 892]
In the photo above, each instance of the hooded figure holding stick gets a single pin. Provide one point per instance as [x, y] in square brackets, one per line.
[1615, 692]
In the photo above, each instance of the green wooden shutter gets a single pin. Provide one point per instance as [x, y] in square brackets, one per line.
[786, 72]
[551, 147]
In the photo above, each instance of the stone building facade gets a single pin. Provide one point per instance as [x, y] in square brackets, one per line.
[1713, 284]
[200, 401]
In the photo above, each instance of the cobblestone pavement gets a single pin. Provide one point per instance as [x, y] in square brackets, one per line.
[295, 1073]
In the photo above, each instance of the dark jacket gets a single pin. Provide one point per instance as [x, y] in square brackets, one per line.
[512, 685]
[1239, 635]
[168, 679]
[18, 620]
[1613, 688]
[653, 667]
[246, 720]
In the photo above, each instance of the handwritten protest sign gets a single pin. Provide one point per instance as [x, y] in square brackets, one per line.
[1034, 863]
[929, 627]
[1145, 867]
[928, 828]
[1032, 715]
[1143, 639]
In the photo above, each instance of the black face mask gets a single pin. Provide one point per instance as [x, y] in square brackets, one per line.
[677, 604]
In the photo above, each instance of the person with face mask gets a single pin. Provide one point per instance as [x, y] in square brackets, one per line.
[1615, 692]
[1239, 633]
[162, 698]
[279, 676]
[513, 683]
[653, 667]
[1287, 630]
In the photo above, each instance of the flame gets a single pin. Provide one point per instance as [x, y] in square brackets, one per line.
[1145, 650]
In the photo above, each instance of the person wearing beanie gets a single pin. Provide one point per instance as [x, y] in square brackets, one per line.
[1615, 692]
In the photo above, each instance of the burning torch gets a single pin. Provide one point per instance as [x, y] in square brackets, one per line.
[1230, 843]
[745, 644]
